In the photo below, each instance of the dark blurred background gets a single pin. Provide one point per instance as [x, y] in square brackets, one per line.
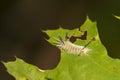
[22, 20]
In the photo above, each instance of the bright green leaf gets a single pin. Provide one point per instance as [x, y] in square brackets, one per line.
[23, 71]
[97, 65]
[118, 17]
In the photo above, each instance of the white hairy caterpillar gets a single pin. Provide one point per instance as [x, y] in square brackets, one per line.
[73, 48]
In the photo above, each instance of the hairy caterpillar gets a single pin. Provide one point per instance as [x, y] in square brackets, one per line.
[73, 48]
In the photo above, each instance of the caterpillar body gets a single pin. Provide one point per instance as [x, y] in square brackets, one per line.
[73, 48]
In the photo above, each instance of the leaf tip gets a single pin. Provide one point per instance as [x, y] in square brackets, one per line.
[117, 17]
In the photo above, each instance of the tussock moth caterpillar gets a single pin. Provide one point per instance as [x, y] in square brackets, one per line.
[68, 46]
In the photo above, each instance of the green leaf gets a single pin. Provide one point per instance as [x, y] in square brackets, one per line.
[118, 17]
[23, 71]
[97, 65]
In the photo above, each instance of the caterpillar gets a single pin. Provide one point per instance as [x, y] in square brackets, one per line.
[68, 46]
